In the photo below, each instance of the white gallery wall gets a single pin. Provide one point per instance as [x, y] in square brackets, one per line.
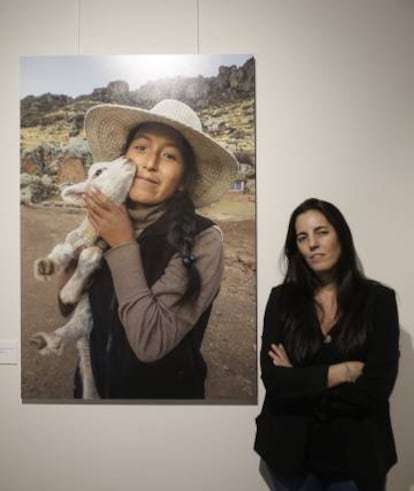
[335, 120]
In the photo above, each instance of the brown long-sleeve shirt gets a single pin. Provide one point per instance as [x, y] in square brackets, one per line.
[154, 321]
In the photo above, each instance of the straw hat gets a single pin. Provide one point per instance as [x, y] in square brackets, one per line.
[108, 125]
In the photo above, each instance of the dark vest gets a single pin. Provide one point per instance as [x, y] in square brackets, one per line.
[118, 373]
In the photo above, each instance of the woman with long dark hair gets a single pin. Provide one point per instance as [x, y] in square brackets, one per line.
[329, 360]
[152, 298]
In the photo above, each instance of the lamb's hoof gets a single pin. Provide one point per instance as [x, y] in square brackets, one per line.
[38, 341]
[90, 394]
[47, 343]
[44, 268]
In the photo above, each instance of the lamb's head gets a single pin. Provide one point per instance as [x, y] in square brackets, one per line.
[113, 179]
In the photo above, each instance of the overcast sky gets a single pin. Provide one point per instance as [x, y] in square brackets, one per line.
[79, 75]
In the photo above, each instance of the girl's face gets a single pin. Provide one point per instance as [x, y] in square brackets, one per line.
[157, 152]
[318, 243]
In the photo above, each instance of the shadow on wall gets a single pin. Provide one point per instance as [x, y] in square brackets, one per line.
[402, 413]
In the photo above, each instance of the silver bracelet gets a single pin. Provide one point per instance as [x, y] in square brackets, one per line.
[350, 374]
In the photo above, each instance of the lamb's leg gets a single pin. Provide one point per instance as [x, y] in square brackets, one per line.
[89, 260]
[79, 325]
[47, 343]
[85, 368]
[57, 260]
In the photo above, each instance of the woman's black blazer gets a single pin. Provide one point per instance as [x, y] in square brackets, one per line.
[359, 412]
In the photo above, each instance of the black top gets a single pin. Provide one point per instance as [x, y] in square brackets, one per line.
[344, 431]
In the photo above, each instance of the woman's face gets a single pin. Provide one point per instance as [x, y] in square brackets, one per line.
[318, 243]
[157, 153]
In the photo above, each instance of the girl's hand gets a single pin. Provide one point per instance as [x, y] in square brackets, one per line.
[110, 221]
[279, 356]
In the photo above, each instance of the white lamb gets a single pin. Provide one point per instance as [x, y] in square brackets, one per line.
[113, 179]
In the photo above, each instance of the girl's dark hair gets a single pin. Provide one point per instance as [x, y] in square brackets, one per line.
[180, 212]
[302, 330]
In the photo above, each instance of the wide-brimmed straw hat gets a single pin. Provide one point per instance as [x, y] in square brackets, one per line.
[108, 125]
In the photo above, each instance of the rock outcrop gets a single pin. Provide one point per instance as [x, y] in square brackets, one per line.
[231, 84]
[47, 167]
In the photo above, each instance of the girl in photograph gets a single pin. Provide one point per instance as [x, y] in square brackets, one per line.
[152, 297]
[329, 361]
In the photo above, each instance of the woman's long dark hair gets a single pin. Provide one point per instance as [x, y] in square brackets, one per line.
[302, 330]
[180, 212]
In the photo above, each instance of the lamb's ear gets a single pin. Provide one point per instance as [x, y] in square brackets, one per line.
[74, 194]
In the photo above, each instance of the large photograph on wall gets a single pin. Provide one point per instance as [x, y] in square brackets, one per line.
[138, 244]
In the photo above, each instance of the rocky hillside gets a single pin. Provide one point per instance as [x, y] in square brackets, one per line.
[53, 149]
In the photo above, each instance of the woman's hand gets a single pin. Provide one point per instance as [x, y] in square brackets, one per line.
[279, 356]
[110, 221]
[348, 371]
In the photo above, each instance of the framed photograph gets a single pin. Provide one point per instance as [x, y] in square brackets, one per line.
[62, 343]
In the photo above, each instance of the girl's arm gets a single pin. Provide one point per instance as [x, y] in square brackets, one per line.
[153, 319]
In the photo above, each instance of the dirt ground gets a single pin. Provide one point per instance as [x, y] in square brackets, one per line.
[229, 345]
